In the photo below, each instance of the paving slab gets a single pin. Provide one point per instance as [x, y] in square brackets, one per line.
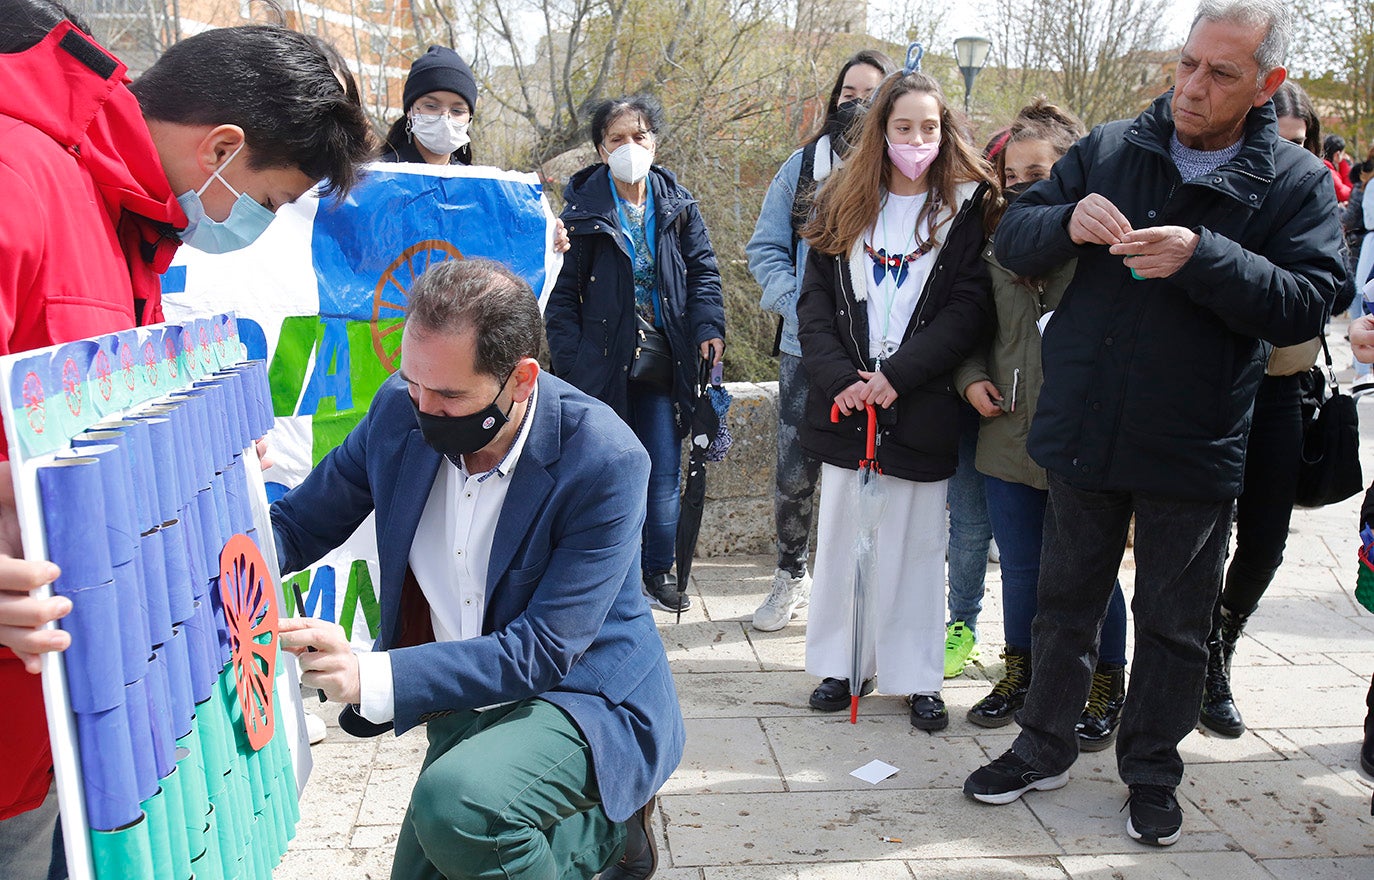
[868, 870]
[1346, 868]
[817, 755]
[1164, 865]
[1015, 868]
[1293, 696]
[726, 755]
[824, 826]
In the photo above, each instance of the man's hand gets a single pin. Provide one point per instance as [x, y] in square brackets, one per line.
[713, 348]
[852, 398]
[877, 390]
[1157, 252]
[22, 617]
[984, 397]
[561, 242]
[1096, 220]
[1362, 339]
[331, 666]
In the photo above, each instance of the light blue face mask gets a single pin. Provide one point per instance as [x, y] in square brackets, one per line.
[247, 219]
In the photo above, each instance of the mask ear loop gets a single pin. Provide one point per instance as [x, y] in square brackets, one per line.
[216, 174]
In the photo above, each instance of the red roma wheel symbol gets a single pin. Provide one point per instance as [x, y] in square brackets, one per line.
[171, 346]
[103, 374]
[393, 290]
[188, 341]
[250, 608]
[150, 362]
[71, 386]
[219, 340]
[33, 402]
[126, 364]
[204, 348]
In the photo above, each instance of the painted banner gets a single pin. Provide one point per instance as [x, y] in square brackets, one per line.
[320, 297]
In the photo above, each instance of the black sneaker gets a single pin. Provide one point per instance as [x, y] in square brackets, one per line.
[832, 694]
[1155, 816]
[662, 592]
[1009, 777]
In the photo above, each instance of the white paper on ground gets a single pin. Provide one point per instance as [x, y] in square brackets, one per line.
[874, 771]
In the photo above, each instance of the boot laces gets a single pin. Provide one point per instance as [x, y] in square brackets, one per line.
[1015, 678]
[1218, 683]
[1099, 696]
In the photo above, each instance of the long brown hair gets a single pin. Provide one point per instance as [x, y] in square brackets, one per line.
[849, 203]
[1038, 121]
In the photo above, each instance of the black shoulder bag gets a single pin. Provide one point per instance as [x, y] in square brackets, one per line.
[1329, 470]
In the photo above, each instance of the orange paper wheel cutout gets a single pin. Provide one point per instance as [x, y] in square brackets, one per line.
[249, 605]
[393, 290]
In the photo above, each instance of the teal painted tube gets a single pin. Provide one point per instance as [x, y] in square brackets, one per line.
[123, 853]
[174, 790]
[226, 822]
[159, 836]
[214, 758]
[195, 803]
[211, 864]
[257, 855]
[256, 782]
[279, 816]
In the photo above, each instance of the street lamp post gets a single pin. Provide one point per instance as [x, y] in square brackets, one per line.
[972, 55]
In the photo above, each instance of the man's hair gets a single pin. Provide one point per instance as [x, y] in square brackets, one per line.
[483, 296]
[1273, 15]
[275, 84]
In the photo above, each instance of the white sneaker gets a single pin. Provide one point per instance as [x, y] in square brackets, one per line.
[788, 594]
[314, 728]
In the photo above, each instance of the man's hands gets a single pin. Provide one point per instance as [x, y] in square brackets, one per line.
[714, 349]
[1156, 252]
[984, 397]
[332, 666]
[1362, 339]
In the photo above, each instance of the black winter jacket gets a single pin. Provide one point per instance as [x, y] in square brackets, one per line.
[1149, 385]
[589, 317]
[919, 434]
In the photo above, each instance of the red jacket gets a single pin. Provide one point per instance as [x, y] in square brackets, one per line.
[86, 215]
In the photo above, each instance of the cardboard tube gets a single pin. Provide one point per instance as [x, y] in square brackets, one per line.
[211, 865]
[154, 567]
[220, 447]
[107, 769]
[176, 825]
[159, 703]
[195, 802]
[159, 837]
[141, 738]
[123, 853]
[180, 599]
[202, 650]
[179, 677]
[166, 482]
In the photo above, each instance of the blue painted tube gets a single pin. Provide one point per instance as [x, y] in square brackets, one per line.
[141, 738]
[195, 551]
[155, 587]
[221, 623]
[115, 470]
[238, 409]
[180, 595]
[140, 482]
[236, 490]
[159, 692]
[187, 433]
[134, 639]
[179, 676]
[265, 393]
[73, 497]
[164, 472]
[216, 411]
[107, 768]
[197, 403]
[254, 391]
[199, 635]
[210, 539]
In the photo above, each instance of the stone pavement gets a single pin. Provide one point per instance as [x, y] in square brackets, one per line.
[764, 792]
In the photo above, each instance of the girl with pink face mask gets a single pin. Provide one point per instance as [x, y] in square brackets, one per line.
[894, 296]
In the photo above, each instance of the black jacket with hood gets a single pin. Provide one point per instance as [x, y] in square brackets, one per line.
[1149, 385]
[919, 434]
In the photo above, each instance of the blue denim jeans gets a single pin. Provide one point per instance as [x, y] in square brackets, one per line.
[1017, 513]
[797, 472]
[969, 530]
[1180, 548]
[651, 418]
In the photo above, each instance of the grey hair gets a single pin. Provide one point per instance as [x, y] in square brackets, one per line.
[1274, 15]
[483, 296]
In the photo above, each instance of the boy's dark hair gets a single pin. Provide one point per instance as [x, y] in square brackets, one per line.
[485, 297]
[645, 107]
[275, 84]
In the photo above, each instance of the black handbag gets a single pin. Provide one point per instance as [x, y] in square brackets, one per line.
[1329, 470]
[652, 364]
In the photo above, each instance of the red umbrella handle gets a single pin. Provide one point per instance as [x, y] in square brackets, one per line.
[870, 459]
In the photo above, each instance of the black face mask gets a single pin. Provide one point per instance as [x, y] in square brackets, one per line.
[453, 436]
[1013, 192]
[843, 125]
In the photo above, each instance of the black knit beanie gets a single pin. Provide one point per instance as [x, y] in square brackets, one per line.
[440, 69]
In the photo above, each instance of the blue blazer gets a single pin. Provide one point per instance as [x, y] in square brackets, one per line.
[565, 618]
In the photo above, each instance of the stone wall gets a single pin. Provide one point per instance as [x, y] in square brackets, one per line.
[738, 518]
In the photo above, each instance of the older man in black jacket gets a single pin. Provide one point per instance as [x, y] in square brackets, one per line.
[1202, 238]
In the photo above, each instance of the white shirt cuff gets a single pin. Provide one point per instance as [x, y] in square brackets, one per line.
[377, 702]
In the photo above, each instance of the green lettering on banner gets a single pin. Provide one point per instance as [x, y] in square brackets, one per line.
[299, 581]
[366, 374]
[360, 592]
[290, 360]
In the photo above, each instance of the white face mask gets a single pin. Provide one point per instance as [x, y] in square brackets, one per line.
[439, 134]
[630, 163]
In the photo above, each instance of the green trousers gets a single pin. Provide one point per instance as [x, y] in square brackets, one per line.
[507, 793]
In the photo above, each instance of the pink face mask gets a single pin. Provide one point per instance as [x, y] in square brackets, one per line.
[913, 159]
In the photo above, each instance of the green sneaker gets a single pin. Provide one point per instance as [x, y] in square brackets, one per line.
[960, 647]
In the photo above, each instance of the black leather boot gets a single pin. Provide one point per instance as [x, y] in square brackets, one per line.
[1097, 726]
[998, 708]
[1367, 753]
[641, 852]
[1219, 713]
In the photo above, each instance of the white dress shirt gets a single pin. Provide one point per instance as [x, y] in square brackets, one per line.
[449, 557]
